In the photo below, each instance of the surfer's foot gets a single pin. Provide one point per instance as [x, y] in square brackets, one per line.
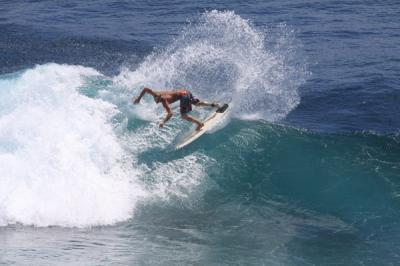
[199, 126]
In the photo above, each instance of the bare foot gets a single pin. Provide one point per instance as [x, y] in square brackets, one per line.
[199, 127]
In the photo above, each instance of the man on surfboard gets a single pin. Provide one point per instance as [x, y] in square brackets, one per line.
[185, 98]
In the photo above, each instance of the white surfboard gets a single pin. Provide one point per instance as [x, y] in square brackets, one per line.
[209, 123]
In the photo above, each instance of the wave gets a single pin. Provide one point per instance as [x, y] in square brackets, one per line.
[68, 159]
[75, 153]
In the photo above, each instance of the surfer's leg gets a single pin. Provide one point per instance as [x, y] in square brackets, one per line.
[193, 120]
[186, 107]
[206, 104]
[199, 103]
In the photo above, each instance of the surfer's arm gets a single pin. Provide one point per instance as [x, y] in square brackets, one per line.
[145, 90]
[169, 112]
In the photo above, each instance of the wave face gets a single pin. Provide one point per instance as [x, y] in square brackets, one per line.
[300, 194]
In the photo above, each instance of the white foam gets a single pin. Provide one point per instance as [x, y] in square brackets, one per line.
[163, 177]
[64, 164]
[180, 177]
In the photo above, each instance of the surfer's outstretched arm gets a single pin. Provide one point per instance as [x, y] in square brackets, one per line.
[145, 90]
[201, 103]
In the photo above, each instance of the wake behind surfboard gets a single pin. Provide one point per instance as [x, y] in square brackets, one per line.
[209, 123]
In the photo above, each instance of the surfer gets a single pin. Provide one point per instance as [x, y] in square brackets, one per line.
[185, 98]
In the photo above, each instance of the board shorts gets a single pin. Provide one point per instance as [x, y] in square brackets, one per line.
[186, 102]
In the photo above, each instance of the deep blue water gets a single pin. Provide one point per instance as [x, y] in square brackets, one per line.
[305, 170]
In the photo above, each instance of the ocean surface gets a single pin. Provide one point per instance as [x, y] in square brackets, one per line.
[305, 169]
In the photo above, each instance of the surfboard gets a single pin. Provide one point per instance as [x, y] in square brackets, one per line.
[209, 123]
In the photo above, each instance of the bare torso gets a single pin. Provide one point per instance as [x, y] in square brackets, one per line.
[171, 96]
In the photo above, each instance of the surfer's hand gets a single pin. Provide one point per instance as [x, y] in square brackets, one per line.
[161, 124]
[136, 101]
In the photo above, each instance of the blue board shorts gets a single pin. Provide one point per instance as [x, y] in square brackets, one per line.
[186, 102]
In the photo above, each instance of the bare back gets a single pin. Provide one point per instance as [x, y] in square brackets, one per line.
[172, 96]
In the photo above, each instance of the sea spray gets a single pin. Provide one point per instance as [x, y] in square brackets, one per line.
[220, 57]
[223, 57]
